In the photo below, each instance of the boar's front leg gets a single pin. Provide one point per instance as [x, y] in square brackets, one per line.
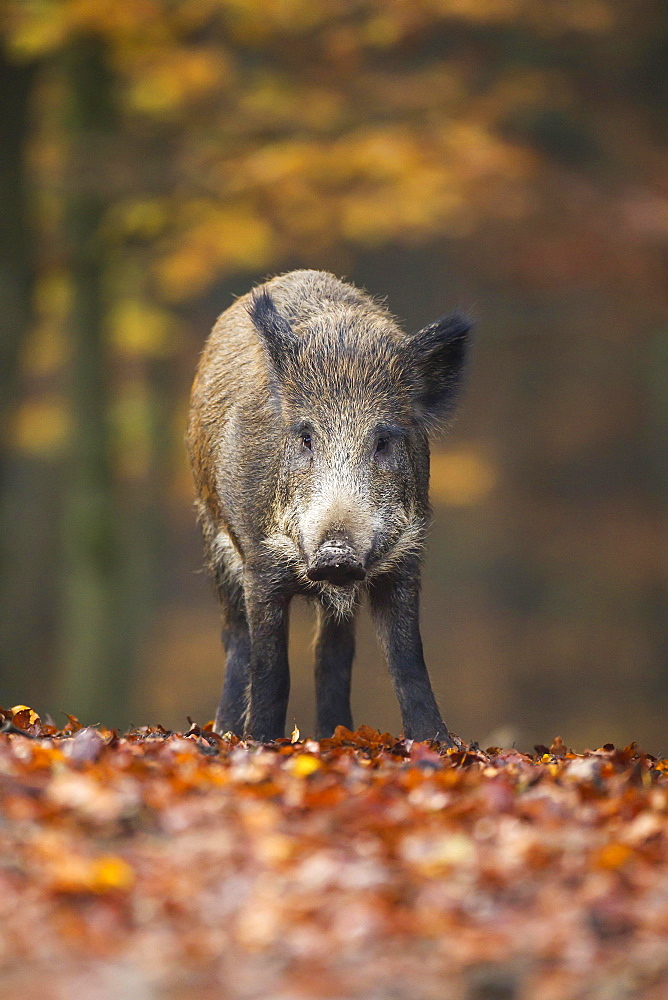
[267, 612]
[395, 606]
[236, 640]
[334, 651]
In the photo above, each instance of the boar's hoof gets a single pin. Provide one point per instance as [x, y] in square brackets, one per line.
[336, 562]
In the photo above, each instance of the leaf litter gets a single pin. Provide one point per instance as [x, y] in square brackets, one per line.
[155, 864]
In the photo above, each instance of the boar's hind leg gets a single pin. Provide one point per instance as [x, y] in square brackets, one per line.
[334, 651]
[395, 609]
[269, 670]
[233, 706]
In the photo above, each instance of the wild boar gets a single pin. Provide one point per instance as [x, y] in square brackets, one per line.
[309, 443]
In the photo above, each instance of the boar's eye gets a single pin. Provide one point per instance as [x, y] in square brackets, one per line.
[306, 440]
[385, 435]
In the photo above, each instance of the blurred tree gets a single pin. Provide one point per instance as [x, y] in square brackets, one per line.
[17, 265]
[17, 276]
[93, 674]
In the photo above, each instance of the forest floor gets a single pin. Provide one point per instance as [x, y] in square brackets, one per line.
[178, 865]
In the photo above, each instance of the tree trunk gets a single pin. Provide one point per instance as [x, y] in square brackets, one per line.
[93, 683]
[16, 263]
[17, 273]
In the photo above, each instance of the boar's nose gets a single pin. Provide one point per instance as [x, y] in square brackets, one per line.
[336, 562]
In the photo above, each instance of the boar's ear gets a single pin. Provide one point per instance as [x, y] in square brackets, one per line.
[276, 335]
[437, 356]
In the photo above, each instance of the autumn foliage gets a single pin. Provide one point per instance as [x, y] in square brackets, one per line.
[172, 865]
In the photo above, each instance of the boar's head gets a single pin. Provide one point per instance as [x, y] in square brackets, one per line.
[356, 399]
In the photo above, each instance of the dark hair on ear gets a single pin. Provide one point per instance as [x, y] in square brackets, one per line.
[277, 336]
[438, 355]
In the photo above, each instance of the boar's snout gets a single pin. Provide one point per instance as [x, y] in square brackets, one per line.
[336, 562]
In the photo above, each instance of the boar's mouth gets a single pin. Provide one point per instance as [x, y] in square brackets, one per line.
[336, 562]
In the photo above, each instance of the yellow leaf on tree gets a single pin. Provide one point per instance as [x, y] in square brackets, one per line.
[143, 217]
[218, 241]
[175, 78]
[141, 329]
[461, 477]
[40, 426]
[37, 29]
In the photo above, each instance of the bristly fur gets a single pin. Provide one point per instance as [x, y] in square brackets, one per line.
[308, 441]
[440, 352]
[276, 331]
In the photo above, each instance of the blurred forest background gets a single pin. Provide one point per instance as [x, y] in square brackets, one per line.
[158, 157]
